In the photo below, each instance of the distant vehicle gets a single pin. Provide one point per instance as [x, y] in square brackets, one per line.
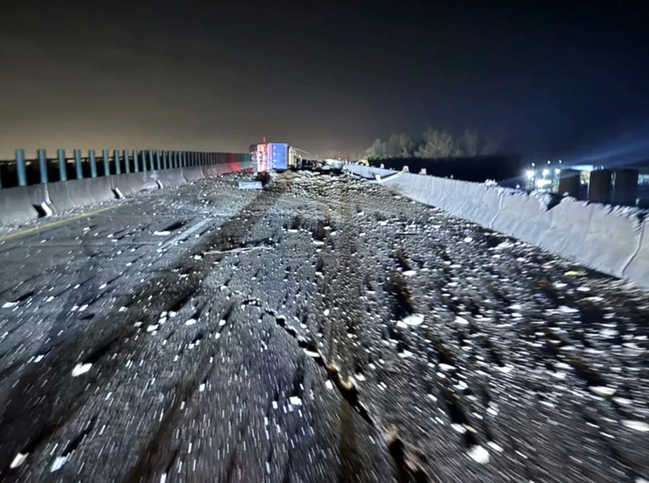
[333, 164]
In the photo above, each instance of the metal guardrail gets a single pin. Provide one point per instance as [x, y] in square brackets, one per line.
[22, 172]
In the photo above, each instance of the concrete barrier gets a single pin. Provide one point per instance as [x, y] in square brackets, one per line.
[210, 170]
[609, 239]
[192, 174]
[637, 267]
[616, 229]
[22, 204]
[101, 189]
[128, 184]
[226, 168]
[568, 229]
[421, 184]
[483, 204]
[523, 216]
[60, 197]
[170, 177]
[90, 191]
[16, 206]
[38, 196]
[368, 172]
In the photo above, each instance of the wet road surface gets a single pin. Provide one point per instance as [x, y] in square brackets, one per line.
[320, 330]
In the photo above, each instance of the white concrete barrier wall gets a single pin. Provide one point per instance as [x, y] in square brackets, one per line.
[638, 266]
[616, 229]
[368, 172]
[18, 205]
[609, 239]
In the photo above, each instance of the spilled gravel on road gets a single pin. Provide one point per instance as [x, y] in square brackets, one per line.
[323, 329]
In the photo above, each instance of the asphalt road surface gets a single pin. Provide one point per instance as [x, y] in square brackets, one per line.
[320, 330]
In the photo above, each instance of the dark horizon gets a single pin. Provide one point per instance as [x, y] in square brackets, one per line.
[550, 80]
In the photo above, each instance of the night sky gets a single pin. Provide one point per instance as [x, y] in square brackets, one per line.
[550, 78]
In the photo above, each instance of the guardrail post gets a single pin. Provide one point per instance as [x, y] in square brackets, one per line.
[151, 161]
[164, 160]
[157, 161]
[106, 162]
[144, 161]
[63, 171]
[77, 163]
[20, 167]
[127, 162]
[136, 161]
[93, 163]
[182, 158]
[42, 165]
[118, 167]
[172, 159]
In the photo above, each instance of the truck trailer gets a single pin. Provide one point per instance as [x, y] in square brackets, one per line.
[274, 157]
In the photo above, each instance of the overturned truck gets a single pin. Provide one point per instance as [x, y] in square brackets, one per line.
[274, 157]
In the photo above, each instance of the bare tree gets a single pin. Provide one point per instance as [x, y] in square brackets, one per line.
[468, 143]
[393, 146]
[377, 151]
[399, 146]
[437, 144]
[490, 145]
